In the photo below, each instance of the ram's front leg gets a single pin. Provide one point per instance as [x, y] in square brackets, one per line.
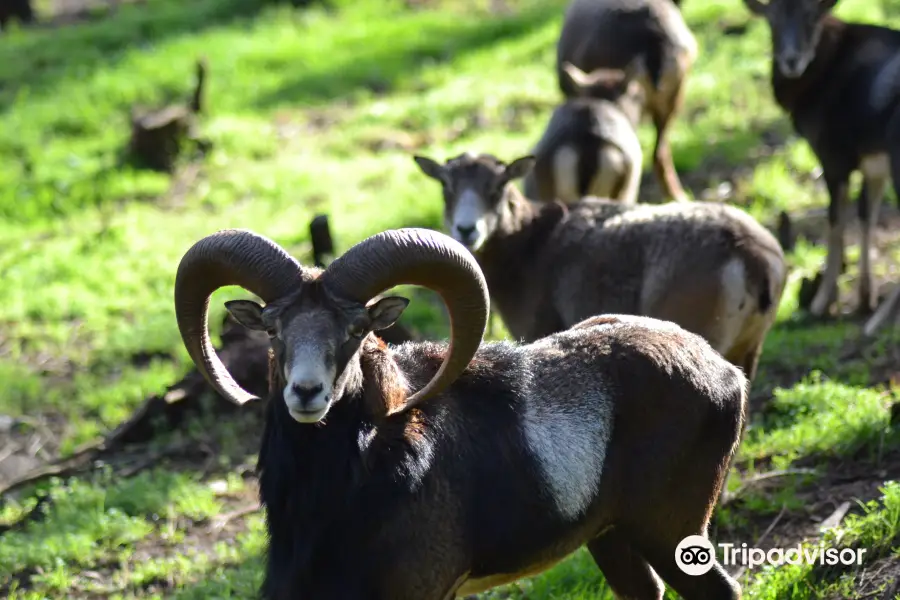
[827, 293]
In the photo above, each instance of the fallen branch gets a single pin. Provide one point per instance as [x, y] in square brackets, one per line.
[61, 468]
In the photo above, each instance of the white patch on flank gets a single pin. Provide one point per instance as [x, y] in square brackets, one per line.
[734, 281]
[886, 85]
[610, 170]
[876, 166]
[736, 294]
[570, 447]
[565, 173]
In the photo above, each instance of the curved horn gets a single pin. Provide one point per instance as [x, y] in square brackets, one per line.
[227, 257]
[430, 259]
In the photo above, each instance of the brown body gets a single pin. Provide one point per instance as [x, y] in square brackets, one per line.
[616, 433]
[711, 268]
[840, 84]
[611, 34]
[590, 146]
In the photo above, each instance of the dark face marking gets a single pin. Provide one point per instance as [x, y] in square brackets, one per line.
[314, 336]
[796, 26]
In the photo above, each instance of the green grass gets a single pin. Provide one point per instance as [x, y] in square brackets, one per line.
[318, 110]
[876, 529]
[821, 418]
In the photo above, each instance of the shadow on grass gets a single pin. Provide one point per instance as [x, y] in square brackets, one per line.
[385, 62]
[43, 55]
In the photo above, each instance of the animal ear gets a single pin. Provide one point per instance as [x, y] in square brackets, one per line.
[247, 313]
[432, 168]
[758, 7]
[519, 167]
[386, 311]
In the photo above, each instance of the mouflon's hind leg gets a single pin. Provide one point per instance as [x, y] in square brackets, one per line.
[868, 206]
[715, 584]
[626, 571]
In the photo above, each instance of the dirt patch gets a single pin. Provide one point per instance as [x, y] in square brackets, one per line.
[200, 539]
[877, 581]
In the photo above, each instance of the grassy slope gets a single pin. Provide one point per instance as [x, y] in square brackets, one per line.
[312, 111]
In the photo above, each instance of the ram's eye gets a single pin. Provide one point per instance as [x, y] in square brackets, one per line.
[356, 330]
[272, 333]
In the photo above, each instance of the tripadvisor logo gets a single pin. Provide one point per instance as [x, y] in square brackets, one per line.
[695, 555]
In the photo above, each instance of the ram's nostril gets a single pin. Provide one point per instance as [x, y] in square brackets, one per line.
[465, 232]
[306, 393]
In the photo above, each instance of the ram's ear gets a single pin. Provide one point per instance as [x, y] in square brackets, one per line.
[386, 311]
[247, 313]
[431, 168]
[519, 168]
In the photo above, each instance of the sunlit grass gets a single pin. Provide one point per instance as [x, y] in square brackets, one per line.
[319, 110]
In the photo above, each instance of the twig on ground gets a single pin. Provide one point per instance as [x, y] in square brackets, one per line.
[895, 587]
[8, 450]
[765, 534]
[220, 521]
[835, 518]
[39, 425]
[750, 481]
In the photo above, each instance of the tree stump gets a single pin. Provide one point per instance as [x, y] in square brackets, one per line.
[158, 136]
